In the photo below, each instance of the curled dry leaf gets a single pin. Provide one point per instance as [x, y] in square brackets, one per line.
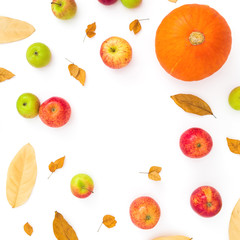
[234, 225]
[234, 145]
[173, 238]
[192, 104]
[109, 221]
[174, 1]
[28, 229]
[53, 166]
[135, 26]
[153, 173]
[61, 228]
[5, 74]
[77, 73]
[21, 176]
[12, 30]
[90, 31]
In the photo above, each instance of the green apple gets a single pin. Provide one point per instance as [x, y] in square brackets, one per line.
[234, 98]
[64, 9]
[38, 55]
[28, 105]
[131, 3]
[82, 185]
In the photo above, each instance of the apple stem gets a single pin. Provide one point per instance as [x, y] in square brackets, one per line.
[50, 175]
[69, 60]
[59, 4]
[99, 227]
[143, 19]
[87, 189]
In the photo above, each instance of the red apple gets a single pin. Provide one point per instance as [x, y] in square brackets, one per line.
[195, 143]
[107, 2]
[116, 52]
[145, 212]
[206, 201]
[55, 112]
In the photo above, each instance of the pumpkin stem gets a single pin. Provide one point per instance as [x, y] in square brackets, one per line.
[196, 38]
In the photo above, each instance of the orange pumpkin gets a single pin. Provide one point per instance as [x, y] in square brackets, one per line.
[193, 42]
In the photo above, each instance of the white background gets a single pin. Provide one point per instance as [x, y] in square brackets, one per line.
[123, 122]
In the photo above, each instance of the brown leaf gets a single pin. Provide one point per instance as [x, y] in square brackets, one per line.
[174, 1]
[62, 230]
[77, 73]
[90, 31]
[234, 145]
[153, 173]
[135, 26]
[5, 74]
[12, 30]
[192, 104]
[28, 229]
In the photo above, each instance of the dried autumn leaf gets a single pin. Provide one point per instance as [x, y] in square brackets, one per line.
[234, 225]
[135, 26]
[192, 104]
[21, 176]
[28, 229]
[174, 1]
[5, 74]
[234, 145]
[90, 31]
[109, 221]
[52, 167]
[57, 164]
[77, 73]
[62, 230]
[153, 173]
[173, 238]
[12, 30]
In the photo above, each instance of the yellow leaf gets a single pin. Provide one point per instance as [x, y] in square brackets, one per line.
[135, 26]
[77, 73]
[192, 104]
[173, 238]
[234, 225]
[28, 229]
[153, 173]
[5, 74]
[21, 176]
[109, 221]
[234, 145]
[174, 1]
[12, 30]
[62, 230]
[90, 31]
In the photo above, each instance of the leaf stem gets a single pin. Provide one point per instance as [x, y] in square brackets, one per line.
[144, 172]
[214, 115]
[50, 175]
[143, 19]
[69, 60]
[84, 38]
[100, 227]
